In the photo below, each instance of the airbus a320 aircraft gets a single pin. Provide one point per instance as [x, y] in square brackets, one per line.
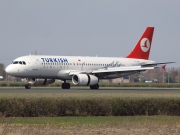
[83, 71]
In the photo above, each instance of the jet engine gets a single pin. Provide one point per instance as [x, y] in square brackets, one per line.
[43, 81]
[84, 79]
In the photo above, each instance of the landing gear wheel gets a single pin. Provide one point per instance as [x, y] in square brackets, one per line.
[65, 86]
[96, 86]
[68, 85]
[28, 86]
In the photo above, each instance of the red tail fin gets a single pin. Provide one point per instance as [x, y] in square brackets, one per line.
[143, 47]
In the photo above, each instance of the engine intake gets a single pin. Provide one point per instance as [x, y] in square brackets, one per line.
[84, 79]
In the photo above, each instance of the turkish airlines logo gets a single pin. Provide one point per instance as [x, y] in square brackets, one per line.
[145, 44]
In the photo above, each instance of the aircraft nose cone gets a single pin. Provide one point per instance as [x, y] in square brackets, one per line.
[9, 70]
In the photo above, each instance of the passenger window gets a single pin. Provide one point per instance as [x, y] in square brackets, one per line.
[20, 62]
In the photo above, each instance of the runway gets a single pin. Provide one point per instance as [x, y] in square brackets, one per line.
[87, 90]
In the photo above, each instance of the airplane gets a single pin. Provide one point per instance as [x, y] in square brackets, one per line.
[83, 71]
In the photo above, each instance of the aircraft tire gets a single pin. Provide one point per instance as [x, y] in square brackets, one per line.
[65, 86]
[96, 86]
[68, 85]
[27, 86]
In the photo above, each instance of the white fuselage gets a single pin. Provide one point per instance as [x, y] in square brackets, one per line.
[59, 67]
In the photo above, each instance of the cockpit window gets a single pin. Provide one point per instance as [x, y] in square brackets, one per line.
[19, 62]
[15, 62]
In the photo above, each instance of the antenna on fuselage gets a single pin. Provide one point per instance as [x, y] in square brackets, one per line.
[35, 53]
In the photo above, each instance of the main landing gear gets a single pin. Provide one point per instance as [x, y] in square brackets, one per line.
[96, 86]
[28, 86]
[65, 85]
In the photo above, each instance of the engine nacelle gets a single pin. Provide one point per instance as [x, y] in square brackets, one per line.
[84, 79]
[43, 81]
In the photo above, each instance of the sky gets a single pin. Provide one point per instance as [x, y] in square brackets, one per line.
[109, 28]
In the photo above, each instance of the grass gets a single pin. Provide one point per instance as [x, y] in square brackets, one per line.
[75, 121]
[91, 125]
[84, 94]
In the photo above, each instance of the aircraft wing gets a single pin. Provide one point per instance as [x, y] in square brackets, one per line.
[122, 69]
[113, 70]
[75, 72]
[156, 64]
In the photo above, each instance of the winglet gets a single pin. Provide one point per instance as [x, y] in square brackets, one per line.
[143, 46]
[164, 67]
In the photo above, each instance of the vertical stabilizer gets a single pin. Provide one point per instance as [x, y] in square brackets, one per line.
[143, 47]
